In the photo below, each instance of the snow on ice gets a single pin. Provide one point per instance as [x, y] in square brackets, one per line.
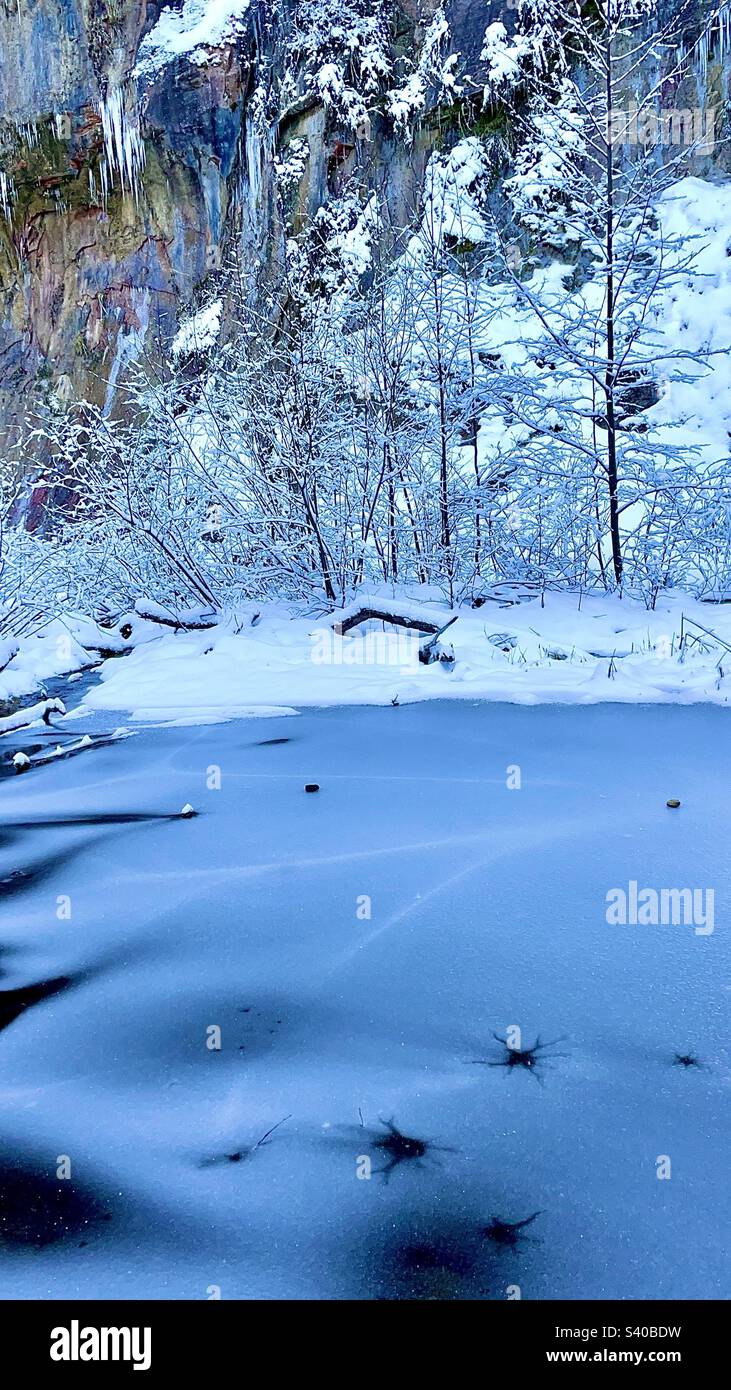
[340, 973]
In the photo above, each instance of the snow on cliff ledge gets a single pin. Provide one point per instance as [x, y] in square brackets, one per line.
[192, 30]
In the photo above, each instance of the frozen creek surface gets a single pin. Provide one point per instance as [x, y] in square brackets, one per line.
[487, 910]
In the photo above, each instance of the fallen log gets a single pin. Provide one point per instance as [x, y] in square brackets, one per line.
[23, 717]
[183, 620]
[398, 614]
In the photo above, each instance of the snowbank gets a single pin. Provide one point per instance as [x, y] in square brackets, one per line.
[60, 648]
[570, 649]
[34, 714]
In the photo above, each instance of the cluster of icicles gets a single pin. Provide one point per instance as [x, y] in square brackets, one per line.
[714, 43]
[123, 158]
[28, 133]
[124, 149]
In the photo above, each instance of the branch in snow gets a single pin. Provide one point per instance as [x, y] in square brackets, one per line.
[291, 164]
[189, 619]
[200, 332]
[533, 49]
[405, 104]
[401, 613]
[32, 715]
[9, 648]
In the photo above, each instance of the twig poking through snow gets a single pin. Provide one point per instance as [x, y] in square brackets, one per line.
[240, 1155]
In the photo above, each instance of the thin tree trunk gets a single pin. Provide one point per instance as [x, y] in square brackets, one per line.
[610, 376]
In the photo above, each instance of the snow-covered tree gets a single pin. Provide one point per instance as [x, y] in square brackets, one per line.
[586, 186]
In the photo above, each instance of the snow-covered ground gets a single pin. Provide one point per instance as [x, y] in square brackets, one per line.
[571, 648]
[55, 650]
[358, 948]
[564, 648]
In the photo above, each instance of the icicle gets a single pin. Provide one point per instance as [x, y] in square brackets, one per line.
[715, 40]
[253, 163]
[130, 341]
[104, 180]
[255, 143]
[123, 143]
[6, 193]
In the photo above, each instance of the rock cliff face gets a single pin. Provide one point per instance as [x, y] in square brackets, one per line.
[139, 141]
